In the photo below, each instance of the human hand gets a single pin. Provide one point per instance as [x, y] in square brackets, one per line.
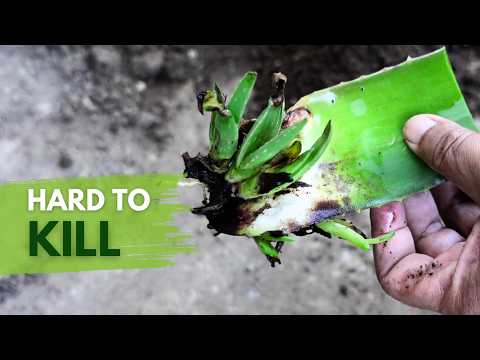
[433, 261]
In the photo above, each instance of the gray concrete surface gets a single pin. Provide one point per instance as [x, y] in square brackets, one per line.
[86, 111]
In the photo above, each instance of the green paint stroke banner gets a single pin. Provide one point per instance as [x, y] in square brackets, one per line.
[79, 240]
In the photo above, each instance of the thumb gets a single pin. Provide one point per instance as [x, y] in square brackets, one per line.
[448, 148]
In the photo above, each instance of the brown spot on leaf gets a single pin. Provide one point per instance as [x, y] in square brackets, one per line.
[279, 82]
[293, 227]
[326, 209]
[295, 116]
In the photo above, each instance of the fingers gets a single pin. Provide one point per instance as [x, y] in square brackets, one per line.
[414, 279]
[457, 210]
[463, 293]
[385, 219]
[418, 280]
[448, 148]
[422, 216]
[469, 260]
[431, 236]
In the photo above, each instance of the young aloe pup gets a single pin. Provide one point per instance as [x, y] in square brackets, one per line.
[336, 151]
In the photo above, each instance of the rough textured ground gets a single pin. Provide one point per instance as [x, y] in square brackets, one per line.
[96, 110]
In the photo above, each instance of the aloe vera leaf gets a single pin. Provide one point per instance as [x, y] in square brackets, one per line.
[235, 175]
[271, 148]
[241, 95]
[220, 97]
[252, 187]
[343, 232]
[367, 163]
[381, 239]
[225, 137]
[266, 248]
[223, 131]
[308, 159]
[264, 129]
[285, 157]
[271, 238]
[212, 130]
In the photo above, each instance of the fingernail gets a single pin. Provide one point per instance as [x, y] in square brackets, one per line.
[416, 128]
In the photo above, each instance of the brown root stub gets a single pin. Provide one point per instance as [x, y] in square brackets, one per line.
[200, 98]
[274, 261]
[199, 167]
[279, 82]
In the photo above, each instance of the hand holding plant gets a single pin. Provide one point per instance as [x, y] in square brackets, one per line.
[433, 261]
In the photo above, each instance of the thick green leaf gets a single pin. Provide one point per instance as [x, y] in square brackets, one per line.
[271, 148]
[212, 130]
[224, 134]
[308, 159]
[343, 232]
[266, 248]
[271, 238]
[265, 128]
[236, 175]
[240, 97]
[224, 129]
[346, 231]
[381, 239]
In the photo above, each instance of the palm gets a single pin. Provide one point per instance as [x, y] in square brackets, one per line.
[427, 264]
